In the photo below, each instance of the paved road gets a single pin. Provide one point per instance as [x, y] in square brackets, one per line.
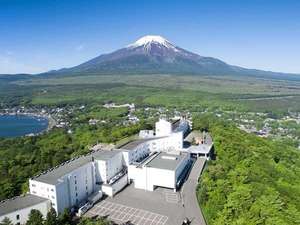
[188, 192]
[161, 201]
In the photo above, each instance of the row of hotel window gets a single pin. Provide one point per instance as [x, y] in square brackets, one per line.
[33, 185]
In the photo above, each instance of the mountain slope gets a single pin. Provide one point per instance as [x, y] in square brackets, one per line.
[156, 55]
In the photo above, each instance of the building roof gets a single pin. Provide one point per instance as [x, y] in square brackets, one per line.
[166, 161]
[205, 136]
[176, 124]
[51, 176]
[202, 148]
[105, 155]
[20, 202]
[133, 144]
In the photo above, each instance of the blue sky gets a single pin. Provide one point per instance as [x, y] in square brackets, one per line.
[40, 35]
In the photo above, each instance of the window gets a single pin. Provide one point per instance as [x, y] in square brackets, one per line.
[33, 192]
[33, 185]
[18, 217]
[53, 204]
[52, 190]
[75, 181]
[52, 197]
[76, 194]
[75, 188]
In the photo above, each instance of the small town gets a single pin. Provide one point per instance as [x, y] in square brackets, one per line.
[260, 124]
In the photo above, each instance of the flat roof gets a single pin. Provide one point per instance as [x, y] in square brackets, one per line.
[133, 144]
[202, 148]
[20, 202]
[52, 175]
[199, 135]
[166, 161]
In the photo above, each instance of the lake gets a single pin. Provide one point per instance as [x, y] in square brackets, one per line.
[20, 125]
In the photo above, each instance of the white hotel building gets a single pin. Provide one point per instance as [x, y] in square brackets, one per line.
[73, 182]
[154, 161]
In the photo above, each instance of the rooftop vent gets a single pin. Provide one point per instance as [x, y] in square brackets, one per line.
[169, 157]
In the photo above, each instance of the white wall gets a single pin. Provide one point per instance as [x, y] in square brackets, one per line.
[109, 168]
[147, 178]
[146, 133]
[138, 175]
[111, 190]
[63, 199]
[81, 184]
[173, 142]
[70, 190]
[127, 157]
[163, 128]
[160, 177]
[44, 190]
[43, 207]
[101, 171]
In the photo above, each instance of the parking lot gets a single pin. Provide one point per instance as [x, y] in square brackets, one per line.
[140, 207]
[122, 213]
[160, 207]
[171, 196]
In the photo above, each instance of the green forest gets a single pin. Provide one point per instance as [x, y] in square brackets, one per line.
[252, 181]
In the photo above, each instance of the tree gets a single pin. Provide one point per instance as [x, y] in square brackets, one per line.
[35, 218]
[51, 218]
[99, 221]
[65, 218]
[251, 181]
[6, 221]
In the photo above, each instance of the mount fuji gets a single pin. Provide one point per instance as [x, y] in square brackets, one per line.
[156, 55]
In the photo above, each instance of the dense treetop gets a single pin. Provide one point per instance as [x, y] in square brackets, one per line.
[252, 181]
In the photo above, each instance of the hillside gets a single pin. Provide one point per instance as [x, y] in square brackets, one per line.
[252, 181]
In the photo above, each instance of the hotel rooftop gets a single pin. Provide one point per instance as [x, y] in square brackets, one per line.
[53, 175]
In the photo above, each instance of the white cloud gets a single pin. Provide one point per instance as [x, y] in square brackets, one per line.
[80, 47]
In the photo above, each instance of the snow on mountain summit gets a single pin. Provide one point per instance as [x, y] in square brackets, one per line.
[148, 40]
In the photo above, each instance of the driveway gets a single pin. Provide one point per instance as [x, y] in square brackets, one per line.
[189, 199]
